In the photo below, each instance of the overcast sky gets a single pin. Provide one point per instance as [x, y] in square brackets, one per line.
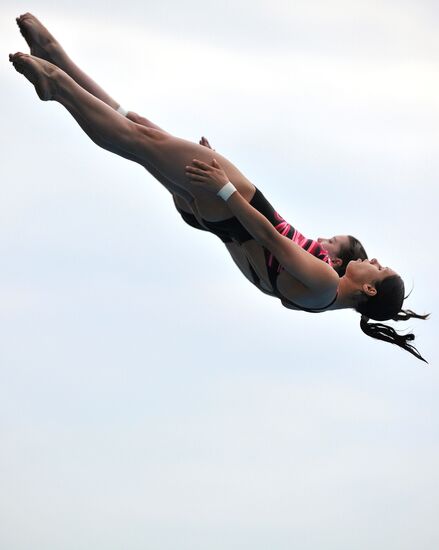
[150, 397]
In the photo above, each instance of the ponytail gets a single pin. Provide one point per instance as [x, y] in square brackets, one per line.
[387, 305]
[389, 334]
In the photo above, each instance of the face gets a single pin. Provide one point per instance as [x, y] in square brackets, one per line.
[368, 271]
[334, 245]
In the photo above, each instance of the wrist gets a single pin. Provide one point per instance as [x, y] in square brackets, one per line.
[226, 191]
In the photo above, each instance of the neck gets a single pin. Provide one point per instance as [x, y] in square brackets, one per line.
[346, 294]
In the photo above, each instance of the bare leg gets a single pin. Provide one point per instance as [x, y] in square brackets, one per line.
[121, 137]
[148, 146]
[44, 45]
[246, 262]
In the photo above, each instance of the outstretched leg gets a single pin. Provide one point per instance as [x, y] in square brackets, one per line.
[51, 83]
[148, 146]
[44, 45]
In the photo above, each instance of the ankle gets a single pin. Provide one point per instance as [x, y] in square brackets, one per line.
[58, 81]
[54, 51]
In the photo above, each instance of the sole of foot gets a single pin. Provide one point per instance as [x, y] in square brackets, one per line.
[34, 70]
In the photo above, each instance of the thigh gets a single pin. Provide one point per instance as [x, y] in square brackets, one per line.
[239, 257]
[247, 261]
[183, 204]
[170, 155]
[255, 255]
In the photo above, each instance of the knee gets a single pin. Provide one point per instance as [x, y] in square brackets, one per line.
[134, 117]
[135, 136]
[145, 137]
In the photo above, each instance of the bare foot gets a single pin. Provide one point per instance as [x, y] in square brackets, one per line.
[38, 71]
[41, 43]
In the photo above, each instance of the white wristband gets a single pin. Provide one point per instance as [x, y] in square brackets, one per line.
[227, 191]
[122, 111]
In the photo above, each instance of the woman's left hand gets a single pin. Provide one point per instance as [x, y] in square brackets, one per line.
[210, 177]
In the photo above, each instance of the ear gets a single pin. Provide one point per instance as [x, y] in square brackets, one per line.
[369, 290]
[336, 262]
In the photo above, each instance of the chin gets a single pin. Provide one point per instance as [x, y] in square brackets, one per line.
[351, 266]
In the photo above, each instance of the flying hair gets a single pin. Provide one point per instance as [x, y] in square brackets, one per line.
[387, 305]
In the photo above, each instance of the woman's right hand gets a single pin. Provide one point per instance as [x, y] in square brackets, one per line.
[209, 177]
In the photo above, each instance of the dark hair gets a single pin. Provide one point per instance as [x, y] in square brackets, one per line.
[386, 305]
[353, 251]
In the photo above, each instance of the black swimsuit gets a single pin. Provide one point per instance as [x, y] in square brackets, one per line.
[231, 230]
[273, 273]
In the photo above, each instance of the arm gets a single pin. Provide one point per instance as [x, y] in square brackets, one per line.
[310, 271]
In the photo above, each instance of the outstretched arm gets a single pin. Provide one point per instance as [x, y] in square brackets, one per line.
[313, 273]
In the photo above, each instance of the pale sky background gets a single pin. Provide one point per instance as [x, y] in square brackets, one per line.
[150, 397]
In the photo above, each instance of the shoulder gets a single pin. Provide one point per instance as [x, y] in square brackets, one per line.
[314, 296]
[314, 273]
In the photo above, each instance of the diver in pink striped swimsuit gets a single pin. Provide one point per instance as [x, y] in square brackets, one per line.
[232, 231]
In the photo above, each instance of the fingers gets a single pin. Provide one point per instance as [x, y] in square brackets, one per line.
[203, 166]
[204, 141]
[200, 164]
[196, 178]
[195, 174]
[210, 174]
[191, 171]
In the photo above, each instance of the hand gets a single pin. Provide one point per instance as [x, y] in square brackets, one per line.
[209, 177]
[203, 141]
